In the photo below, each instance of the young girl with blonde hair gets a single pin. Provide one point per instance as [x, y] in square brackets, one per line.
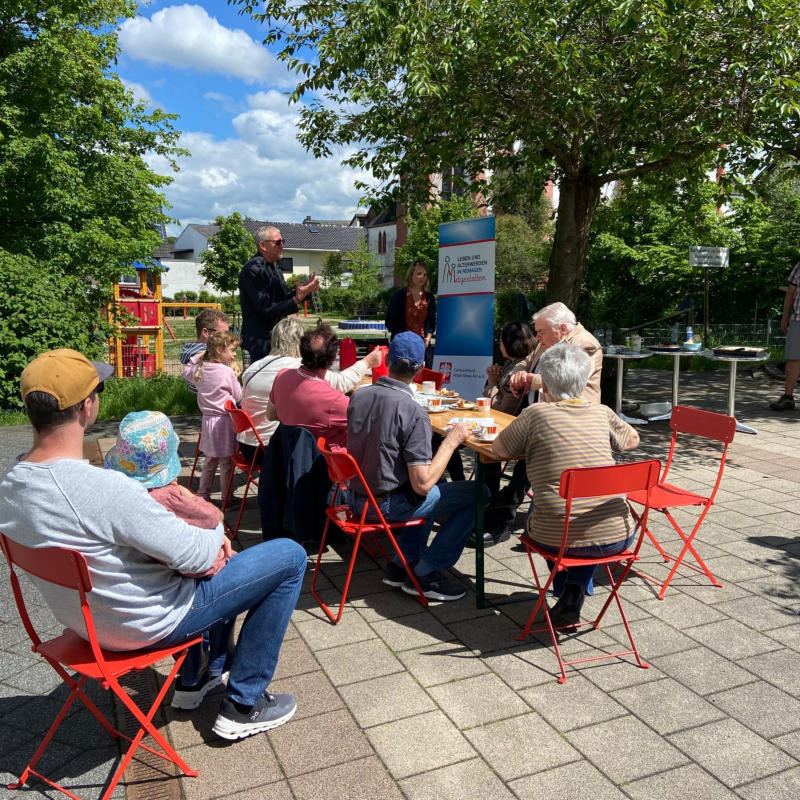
[213, 374]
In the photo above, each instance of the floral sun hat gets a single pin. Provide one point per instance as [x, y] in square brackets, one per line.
[146, 449]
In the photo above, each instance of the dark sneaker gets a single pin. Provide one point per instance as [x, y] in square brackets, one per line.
[396, 574]
[783, 403]
[189, 697]
[270, 711]
[435, 587]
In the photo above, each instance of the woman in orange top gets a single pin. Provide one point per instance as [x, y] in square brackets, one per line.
[413, 308]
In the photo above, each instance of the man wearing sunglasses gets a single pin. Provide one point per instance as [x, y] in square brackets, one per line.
[263, 294]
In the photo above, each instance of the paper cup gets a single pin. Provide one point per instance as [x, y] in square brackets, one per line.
[484, 403]
[428, 387]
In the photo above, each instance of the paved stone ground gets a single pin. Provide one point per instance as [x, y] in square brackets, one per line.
[399, 702]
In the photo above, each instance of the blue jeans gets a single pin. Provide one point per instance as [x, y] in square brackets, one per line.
[582, 576]
[264, 581]
[456, 499]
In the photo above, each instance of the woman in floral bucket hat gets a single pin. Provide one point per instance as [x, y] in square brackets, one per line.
[147, 451]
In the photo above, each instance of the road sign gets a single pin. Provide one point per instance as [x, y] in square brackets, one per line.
[708, 257]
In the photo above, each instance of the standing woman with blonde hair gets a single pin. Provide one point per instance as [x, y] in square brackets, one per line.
[413, 308]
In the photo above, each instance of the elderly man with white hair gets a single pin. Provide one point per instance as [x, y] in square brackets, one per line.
[565, 432]
[554, 323]
[263, 294]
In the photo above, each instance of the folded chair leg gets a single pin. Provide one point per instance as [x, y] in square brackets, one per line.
[410, 572]
[615, 586]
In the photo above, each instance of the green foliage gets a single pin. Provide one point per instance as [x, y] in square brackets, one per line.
[352, 281]
[589, 93]
[165, 393]
[78, 203]
[40, 312]
[228, 250]
[423, 234]
[638, 265]
[520, 254]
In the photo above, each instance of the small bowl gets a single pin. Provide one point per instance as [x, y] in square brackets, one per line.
[692, 347]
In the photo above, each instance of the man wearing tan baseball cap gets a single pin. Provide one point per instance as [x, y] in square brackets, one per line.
[138, 552]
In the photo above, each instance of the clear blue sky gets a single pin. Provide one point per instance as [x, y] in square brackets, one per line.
[206, 63]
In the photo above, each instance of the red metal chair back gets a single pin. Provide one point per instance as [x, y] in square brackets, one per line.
[694, 421]
[242, 422]
[81, 653]
[608, 480]
[426, 374]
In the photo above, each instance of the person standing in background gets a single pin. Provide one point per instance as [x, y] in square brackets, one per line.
[414, 308]
[263, 294]
[790, 325]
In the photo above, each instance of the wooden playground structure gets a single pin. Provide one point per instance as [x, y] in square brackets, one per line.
[137, 349]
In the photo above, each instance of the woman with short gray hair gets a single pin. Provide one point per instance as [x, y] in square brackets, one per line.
[564, 433]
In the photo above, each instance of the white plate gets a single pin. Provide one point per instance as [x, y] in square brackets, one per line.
[485, 438]
[437, 410]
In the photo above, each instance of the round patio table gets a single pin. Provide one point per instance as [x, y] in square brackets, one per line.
[734, 360]
[621, 357]
[677, 355]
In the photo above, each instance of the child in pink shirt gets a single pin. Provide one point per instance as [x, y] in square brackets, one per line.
[216, 383]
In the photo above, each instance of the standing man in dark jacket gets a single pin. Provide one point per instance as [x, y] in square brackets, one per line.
[263, 294]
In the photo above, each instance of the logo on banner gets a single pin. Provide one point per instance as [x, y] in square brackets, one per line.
[470, 268]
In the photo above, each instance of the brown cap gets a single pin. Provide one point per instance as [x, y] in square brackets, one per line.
[65, 374]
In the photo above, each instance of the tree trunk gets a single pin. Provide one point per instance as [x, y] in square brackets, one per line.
[577, 203]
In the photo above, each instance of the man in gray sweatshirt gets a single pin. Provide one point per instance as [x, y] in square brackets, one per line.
[136, 550]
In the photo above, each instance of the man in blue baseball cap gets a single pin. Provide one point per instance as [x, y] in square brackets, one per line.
[389, 435]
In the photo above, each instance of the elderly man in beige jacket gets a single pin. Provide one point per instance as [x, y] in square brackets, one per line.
[554, 323]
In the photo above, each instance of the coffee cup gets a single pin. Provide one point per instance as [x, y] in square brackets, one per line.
[428, 387]
[483, 403]
[435, 402]
[489, 429]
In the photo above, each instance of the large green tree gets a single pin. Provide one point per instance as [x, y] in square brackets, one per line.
[78, 203]
[228, 250]
[589, 93]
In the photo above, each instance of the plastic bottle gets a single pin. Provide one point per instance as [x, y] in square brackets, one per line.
[609, 337]
[675, 333]
[689, 333]
[600, 336]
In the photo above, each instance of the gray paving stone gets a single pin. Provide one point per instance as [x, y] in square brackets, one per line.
[319, 633]
[731, 639]
[469, 780]
[730, 569]
[653, 638]
[419, 744]
[364, 779]
[731, 752]
[486, 634]
[702, 670]
[759, 613]
[478, 701]
[574, 704]
[784, 786]
[761, 707]
[441, 663]
[790, 743]
[414, 630]
[314, 693]
[579, 781]
[295, 659]
[781, 667]
[616, 748]
[682, 611]
[667, 706]
[318, 742]
[690, 780]
[505, 745]
[385, 699]
[528, 664]
[358, 661]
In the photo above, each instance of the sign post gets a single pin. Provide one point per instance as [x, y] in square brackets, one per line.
[708, 257]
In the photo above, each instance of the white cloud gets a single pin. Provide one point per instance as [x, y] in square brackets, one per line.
[140, 94]
[225, 101]
[186, 36]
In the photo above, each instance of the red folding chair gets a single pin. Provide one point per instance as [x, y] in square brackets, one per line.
[342, 468]
[426, 374]
[67, 568]
[665, 496]
[250, 466]
[616, 479]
